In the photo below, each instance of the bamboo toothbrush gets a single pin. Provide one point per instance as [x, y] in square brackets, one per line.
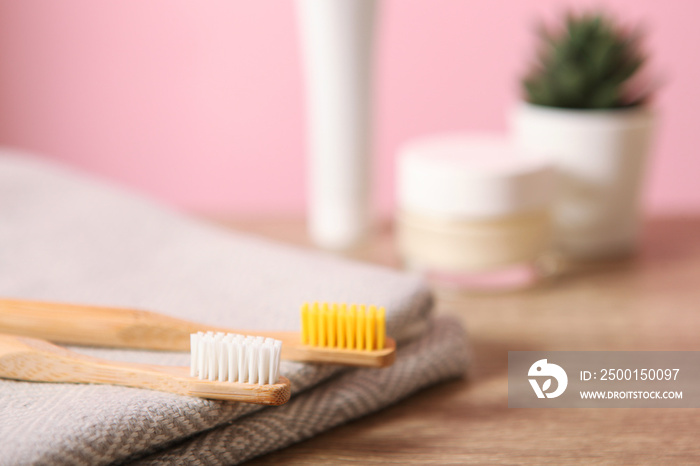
[223, 367]
[331, 333]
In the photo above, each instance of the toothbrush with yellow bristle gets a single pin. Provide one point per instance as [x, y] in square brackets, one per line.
[333, 333]
[344, 334]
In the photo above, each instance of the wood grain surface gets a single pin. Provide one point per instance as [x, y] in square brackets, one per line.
[648, 302]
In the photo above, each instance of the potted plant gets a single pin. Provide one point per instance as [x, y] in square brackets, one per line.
[586, 109]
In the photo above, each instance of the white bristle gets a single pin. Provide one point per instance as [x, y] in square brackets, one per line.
[235, 358]
[252, 357]
[211, 358]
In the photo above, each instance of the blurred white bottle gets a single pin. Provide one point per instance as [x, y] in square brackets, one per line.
[337, 44]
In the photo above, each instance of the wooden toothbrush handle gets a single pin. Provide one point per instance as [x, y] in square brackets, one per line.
[34, 360]
[97, 326]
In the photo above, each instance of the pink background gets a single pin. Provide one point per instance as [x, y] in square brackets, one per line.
[199, 103]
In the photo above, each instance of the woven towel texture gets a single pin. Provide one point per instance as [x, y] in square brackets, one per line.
[68, 237]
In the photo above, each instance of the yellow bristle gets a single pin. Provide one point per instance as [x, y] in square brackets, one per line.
[360, 332]
[332, 326]
[339, 325]
[323, 326]
[381, 328]
[305, 324]
[350, 327]
[371, 325]
[342, 317]
[313, 325]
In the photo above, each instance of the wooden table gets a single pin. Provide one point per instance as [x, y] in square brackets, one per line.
[651, 302]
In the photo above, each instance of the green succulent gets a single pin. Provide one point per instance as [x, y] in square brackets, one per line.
[587, 65]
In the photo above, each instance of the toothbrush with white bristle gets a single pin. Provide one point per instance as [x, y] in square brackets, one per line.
[223, 367]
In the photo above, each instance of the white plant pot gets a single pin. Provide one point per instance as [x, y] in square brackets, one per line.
[601, 157]
[337, 45]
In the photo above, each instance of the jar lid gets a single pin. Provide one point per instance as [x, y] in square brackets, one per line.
[474, 175]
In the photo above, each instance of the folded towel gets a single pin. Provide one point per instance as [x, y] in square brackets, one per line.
[68, 237]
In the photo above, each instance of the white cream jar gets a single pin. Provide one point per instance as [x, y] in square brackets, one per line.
[473, 211]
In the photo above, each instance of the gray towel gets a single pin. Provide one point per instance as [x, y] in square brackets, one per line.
[68, 237]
